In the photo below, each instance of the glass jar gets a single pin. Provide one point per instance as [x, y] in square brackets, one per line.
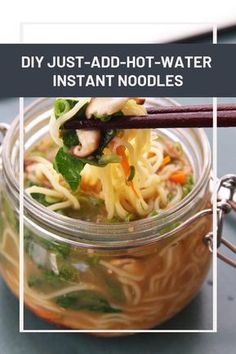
[83, 275]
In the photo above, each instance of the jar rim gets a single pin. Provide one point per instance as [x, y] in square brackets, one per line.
[83, 232]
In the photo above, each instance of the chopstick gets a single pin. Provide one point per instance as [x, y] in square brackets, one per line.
[164, 117]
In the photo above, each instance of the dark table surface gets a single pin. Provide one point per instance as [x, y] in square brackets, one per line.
[197, 315]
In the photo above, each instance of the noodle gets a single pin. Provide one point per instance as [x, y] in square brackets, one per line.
[136, 292]
[150, 187]
[55, 124]
[136, 174]
[121, 272]
[143, 306]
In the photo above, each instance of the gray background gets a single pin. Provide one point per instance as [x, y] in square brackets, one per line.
[197, 315]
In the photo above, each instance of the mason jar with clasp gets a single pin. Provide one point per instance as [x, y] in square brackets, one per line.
[132, 275]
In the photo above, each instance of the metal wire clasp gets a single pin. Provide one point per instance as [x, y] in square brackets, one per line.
[226, 202]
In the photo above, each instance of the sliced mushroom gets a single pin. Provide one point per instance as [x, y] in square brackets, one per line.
[105, 106]
[139, 100]
[89, 142]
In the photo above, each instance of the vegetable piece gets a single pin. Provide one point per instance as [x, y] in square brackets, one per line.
[150, 154]
[46, 277]
[86, 300]
[51, 200]
[106, 117]
[64, 105]
[69, 167]
[111, 283]
[139, 100]
[165, 161]
[131, 173]
[102, 117]
[61, 106]
[30, 240]
[124, 161]
[132, 108]
[106, 137]
[125, 165]
[67, 273]
[178, 177]
[104, 107]
[70, 138]
[97, 158]
[188, 186]
[89, 142]
[41, 198]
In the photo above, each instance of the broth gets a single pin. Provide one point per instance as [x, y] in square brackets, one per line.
[86, 289]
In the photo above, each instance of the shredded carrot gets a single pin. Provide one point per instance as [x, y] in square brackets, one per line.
[178, 177]
[96, 188]
[124, 161]
[120, 150]
[150, 154]
[165, 161]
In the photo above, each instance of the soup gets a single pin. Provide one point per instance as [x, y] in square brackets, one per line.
[88, 288]
[122, 175]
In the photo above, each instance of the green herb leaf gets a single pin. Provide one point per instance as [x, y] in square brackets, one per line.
[67, 273]
[106, 117]
[188, 186]
[86, 300]
[41, 198]
[70, 167]
[30, 240]
[132, 173]
[70, 138]
[46, 277]
[33, 280]
[111, 283]
[107, 136]
[102, 117]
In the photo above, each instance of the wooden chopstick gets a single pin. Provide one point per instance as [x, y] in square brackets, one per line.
[164, 117]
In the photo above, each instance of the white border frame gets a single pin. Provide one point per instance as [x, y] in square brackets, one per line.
[21, 228]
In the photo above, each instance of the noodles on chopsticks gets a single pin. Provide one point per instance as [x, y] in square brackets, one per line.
[138, 173]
